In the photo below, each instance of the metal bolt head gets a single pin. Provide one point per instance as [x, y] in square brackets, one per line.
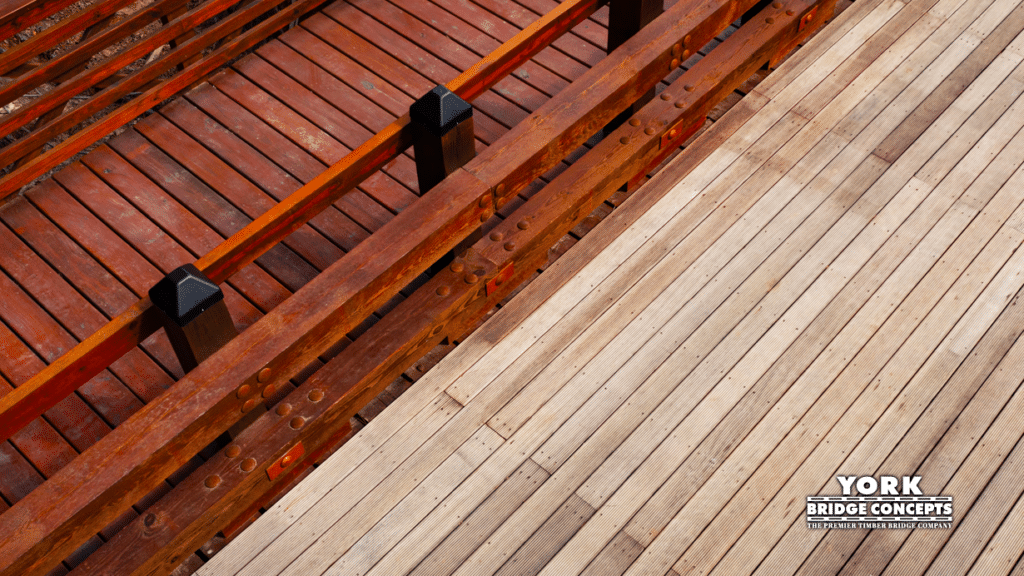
[673, 133]
[501, 203]
[248, 406]
[316, 395]
[244, 391]
[233, 451]
[284, 409]
[212, 481]
[287, 460]
[269, 391]
[665, 97]
[297, 422]
[444, 291]
[523, 225]
[680, 103]
[649, 131]
[634, 122]
[776, 5]
[510, 246]
[457, 267]
[675, 63]
[500, 188]
[624, 140]
[248, 465]
[471, 278]
[688, 88]
[497, 236]
[264, 375]
[486, 215]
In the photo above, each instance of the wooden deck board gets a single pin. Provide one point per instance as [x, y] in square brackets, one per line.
[832, 289]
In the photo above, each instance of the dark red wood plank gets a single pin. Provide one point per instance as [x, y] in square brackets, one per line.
[403, 78]
[586, 41]
[331, 224]
[499, 108]
[138, 371]
[459, 31]
[305, 69]
[305, 244]
[330, 118]
[555, 58]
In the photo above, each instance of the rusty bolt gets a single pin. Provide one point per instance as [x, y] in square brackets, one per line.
[676, 48]
[523, 225]
[248, 406]
[444, 291]
[297, 422]
[666, 97]
[688, 87]
[484, 201]
[500, 188]
[776, 5]
[770, 20]
[686, 53]
[510, 246]
[687, 39]
[486, 215]
[471, 278]
[316, 395]
[649, 131]
[680, 103]
[269, 391]
[458, 267]
[497, 236]
[287, 460]
[501, 203]
[624, 140]
[264, 375]
[789, 12]
[244, 390]
[673, 133]
[149, 520]
[233, 451]
[634, 122]
[248, 465]
[284, 409]
[675, 63]
[212, 481]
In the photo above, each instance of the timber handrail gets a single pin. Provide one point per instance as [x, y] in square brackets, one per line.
[87, 359]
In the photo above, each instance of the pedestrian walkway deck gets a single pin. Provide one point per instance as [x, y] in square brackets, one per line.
[832, 290]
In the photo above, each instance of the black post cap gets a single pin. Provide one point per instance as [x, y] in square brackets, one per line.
[440, 110]
[184, 294]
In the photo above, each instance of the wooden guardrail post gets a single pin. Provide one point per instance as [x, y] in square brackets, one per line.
[443, 142]
[197, 320]
[626, 18]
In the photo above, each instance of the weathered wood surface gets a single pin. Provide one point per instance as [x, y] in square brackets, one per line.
[832, 289]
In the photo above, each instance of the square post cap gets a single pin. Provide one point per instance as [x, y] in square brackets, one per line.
[184, 294]
[440, 110]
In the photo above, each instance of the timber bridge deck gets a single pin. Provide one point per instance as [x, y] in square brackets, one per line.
[825, 284]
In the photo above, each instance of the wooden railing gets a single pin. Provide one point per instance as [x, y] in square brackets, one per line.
[222, 36]
[112, 475]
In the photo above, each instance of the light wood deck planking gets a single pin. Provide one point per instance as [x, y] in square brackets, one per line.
[831, 288]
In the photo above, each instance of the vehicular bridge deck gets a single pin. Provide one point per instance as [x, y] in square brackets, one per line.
[832, 290]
